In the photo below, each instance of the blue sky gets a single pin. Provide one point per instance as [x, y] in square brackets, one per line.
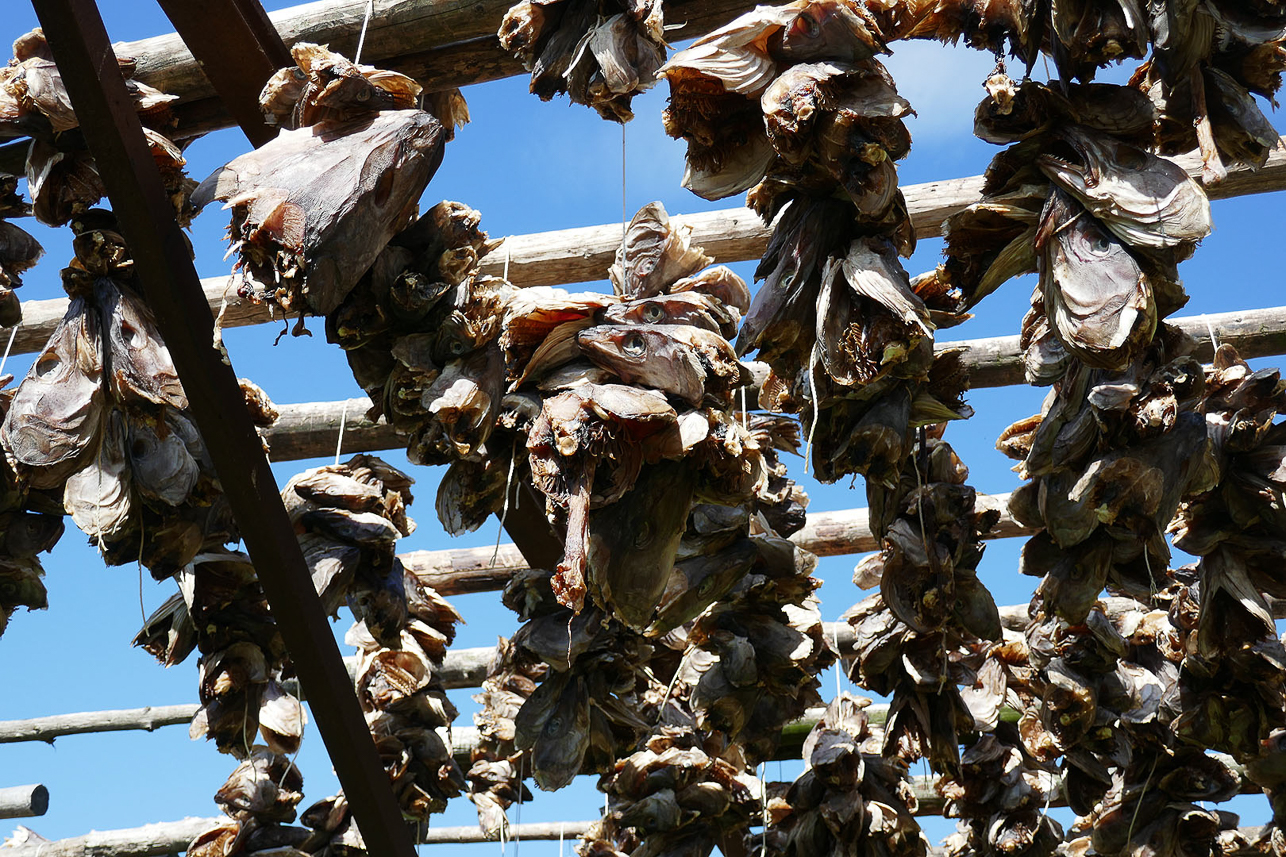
[527, 166]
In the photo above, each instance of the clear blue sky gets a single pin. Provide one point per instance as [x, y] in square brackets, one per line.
[527, 166]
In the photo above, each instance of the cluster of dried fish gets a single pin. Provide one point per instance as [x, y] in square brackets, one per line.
[851, 799]
[677, 794]
[1002, 790]
[600, 52]
[19, 251]
[100, 425]
[421, 331]
[349, 517]
[916, 636]
[1109, 705]
[1233, 675]
[1208, 59]
[30, 523]
[751, 660]
[313, 208]
[259, 799]
[495, 773]
[1109, 458]
[61, 175]
[1078, 199]
[789, 103]
[221, 611]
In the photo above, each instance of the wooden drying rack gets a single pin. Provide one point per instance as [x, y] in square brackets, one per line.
[441, 43]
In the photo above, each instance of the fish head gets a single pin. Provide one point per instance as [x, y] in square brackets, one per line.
[829, 30]
[648, 355]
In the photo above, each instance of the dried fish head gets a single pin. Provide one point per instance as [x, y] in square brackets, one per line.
[53, 420]
[1097, 298]
[141, 368]
[690, 308]
[615, 60]
[554, 725]
[302, 244]
[19, 252]
[1145, 200]
[664, 357]
[655, 253]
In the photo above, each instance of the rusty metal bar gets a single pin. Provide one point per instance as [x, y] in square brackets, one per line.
[238, 49]
[89, 70]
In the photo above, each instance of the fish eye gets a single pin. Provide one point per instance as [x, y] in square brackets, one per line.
[704, 586]
[456, 348]
[652, 312]
[1101, 244]
[363, 94]
[634, 345]
[47, 365]
[806, 25]
[644, 535]
[555, 725]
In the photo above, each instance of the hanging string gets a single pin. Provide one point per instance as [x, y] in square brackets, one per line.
[522, 765]
[625, 209]
[560, 839]
[13, 333]
[1214, 340]
[343, 421]
[361, 39]
[763, 803]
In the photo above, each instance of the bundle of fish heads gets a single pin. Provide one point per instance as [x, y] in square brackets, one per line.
[850, 799]
[19, 251]
[62, 177]
[635, 422]
[1232, 675]
[99, 426]
[496, 774]
[30, 523]
[349, 518]
[671, 796]
[590, 700]
[1078, 199]
[752, 658]
[1110, 458]
[221, 611]
[1002, 790]
[421, 331]
[259, 799]
[789, 103]
[918, 638]
[1110, 707]
[600, 52]
[1207, 62]
[313, 208]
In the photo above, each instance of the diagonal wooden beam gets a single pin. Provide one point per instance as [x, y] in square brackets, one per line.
[238, 49]
[89, 70]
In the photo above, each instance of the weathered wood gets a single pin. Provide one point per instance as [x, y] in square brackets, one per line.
[583, 254]
[460, 668]
[312, 430]
[23, 801]
[171, 837]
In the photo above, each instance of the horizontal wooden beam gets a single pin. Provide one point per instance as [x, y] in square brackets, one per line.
[570, 256]
[172, 837]
[23, 801]
[311, 430]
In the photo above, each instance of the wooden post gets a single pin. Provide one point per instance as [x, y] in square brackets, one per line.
[23, 801]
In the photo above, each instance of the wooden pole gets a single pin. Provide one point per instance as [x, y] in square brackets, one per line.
[570, 256]
[23, 801]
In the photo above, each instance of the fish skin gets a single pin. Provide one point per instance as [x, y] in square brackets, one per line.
[53, 420]
[633, 542]
[1098, 300]
[696, 583]
[554, 724]
[646, 355]
[689, 308]
[293, 220]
